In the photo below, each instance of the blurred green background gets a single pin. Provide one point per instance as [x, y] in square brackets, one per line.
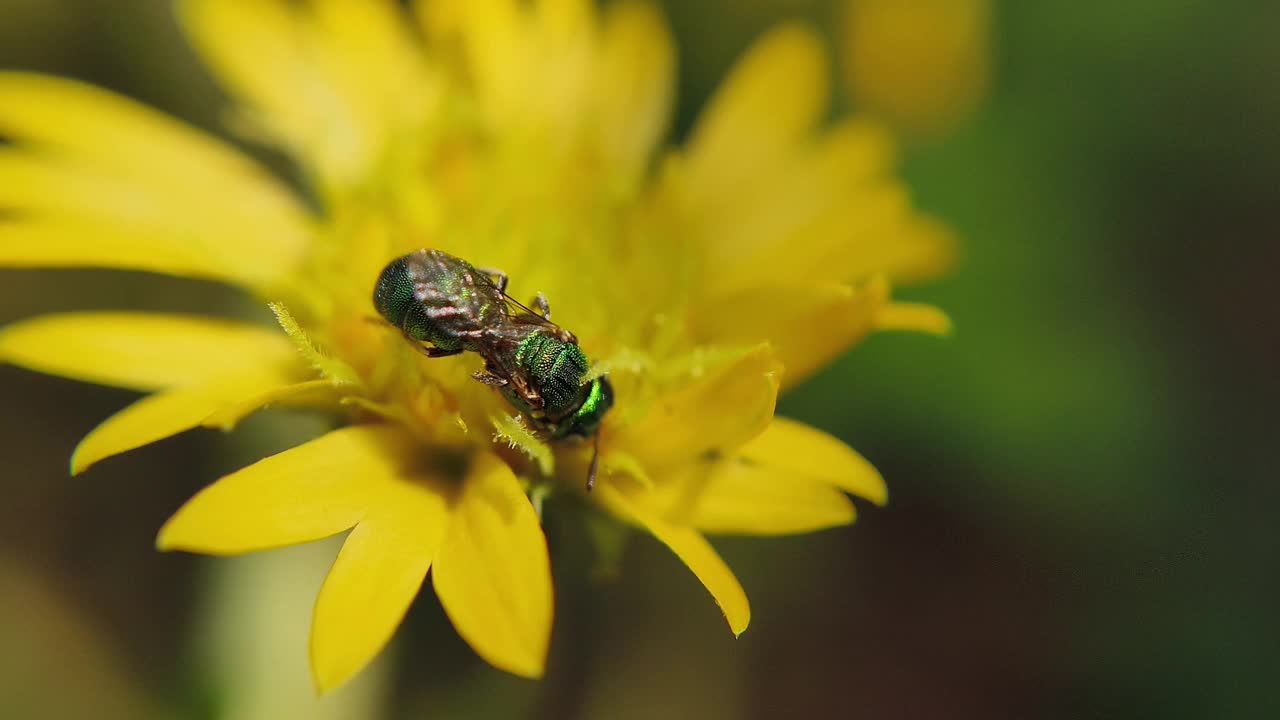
[1082, 478]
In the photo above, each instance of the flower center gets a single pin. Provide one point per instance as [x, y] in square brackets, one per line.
[551, 218]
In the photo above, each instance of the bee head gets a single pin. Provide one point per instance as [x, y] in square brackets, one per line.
[588, 415]
[393, 294]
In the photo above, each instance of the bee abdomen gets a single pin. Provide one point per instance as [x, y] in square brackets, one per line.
[556, 368]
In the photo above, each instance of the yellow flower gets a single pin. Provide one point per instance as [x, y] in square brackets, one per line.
[515, 136]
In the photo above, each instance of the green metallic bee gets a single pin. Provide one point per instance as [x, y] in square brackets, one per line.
[433, 297]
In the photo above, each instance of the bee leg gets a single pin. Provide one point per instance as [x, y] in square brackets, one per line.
[499, 278]
[435, 352]
[544, 307]
[489, 379]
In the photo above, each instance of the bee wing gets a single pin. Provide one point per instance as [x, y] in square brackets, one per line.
[523, 314]
[520, 310]
[497, 349]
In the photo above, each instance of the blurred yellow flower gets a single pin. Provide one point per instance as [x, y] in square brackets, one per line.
[524, 137]
[923, 65]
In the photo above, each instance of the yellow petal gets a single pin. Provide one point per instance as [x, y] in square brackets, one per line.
[844, 240]
[314, 490]
[925, 65]
[309, 392]
[876, 234]
[328, 80]
[142, 351]
[560, 19]
[107, 131]
[635, 83]
[833, 197]
[808, 325]
[563, 33]
[692, 548]
[374, 60]
[623, 464]
[844, 170]
[168, 413]
[923, 250]
[236, 237]
[772, 98]
[716, 411]
[825, 201]
[912, 316]
[268, 55]
[792, 449]
[495, 41]
[854, 150]
[375, 578]
[375, 68]
[78, 243]
[257, 50]
[740, 496]
[493, 575]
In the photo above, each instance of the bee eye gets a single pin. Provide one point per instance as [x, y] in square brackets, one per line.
[393, 294]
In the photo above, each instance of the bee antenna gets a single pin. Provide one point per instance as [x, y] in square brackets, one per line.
[591, 469]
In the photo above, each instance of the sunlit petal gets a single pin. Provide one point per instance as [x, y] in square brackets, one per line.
[875, 235]
[309, 392]
[693, 549]
[142, 351]
[774, 96]
[170, 412]
[81, 243]
[498, 53]
[329, 80]
[257, 49]
[377, 575]
[372, 58]
[886, 238]
[808, 325]
[305, 493]
[923, 65]
[635, 84]
[921, 250]
[816, 205]
[376, 69]
[563, 36]
[717, 409]
[493, 574]
[793, 449]
[240, 239]
[740, 496]
[109, 132]
[912, 316]
[843, 241]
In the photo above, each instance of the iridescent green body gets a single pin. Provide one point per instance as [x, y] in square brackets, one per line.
[433, 297]
[557, 370]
